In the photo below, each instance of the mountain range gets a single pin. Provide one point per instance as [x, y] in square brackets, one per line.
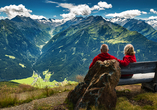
[21, 39]
[67, 49]
[152, 22]
[70, 52]
[141, 26]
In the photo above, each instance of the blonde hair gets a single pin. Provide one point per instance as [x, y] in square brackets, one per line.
[129, 50]
[104, 48]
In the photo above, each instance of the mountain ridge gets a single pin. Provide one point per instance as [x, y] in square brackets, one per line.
[67, 53]
[21, 41]
[140, 26]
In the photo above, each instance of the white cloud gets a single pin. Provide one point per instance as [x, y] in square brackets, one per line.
[143, 12]
[14, 10]
[104, 5]
[36, 17]
[153, 11]
[101, 6]
[1, 17]
[95, 7]
[66, 5]
[68, 16]
[152, 17]
[127, 14]
[57, 20]
[82, 9]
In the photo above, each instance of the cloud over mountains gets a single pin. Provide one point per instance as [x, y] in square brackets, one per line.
[14, 10]
[127, 14]
[82, 9]
[68, 11]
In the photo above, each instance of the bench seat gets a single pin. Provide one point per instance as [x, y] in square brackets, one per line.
[137, 78]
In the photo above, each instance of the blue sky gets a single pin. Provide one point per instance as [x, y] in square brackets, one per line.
[68, 9]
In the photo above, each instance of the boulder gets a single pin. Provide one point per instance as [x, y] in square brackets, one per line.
[98, 87]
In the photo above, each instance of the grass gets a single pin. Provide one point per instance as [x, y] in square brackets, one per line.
[141, 100]
[128, 99]
[42, 107]
[12, 93]
[36, 81]
[28, 80]
[21, 91]
[124, 104]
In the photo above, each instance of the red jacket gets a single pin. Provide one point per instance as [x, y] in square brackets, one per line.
[126, 60]
[102, 57]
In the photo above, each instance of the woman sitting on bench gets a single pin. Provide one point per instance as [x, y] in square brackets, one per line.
[128, 58]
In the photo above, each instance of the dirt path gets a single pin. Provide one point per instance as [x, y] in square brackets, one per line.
[52, 101]
[132, 88]
[59, 98]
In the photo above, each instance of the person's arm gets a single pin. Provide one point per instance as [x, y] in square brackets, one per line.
[93, 62]
[113, 57]
[125, 61]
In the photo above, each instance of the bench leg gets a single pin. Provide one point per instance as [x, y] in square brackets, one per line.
[155, 76]
[153, 84]
[150, 85]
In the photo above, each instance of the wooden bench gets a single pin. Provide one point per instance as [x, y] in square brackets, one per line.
[144, 72]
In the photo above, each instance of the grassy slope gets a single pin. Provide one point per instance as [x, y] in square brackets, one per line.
[13, 94]
[132, 96]
[37, 81]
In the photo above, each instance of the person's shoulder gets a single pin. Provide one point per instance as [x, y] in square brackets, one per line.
[129, 56]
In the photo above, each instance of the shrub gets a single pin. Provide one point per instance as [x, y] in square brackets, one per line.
[25, 87]
[79, 78]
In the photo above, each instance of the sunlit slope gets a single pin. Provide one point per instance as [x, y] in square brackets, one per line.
[70, 52]
[153, 36]
[143, 28]
[137, 25]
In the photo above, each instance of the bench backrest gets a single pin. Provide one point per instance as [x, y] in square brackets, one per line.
[139, 67]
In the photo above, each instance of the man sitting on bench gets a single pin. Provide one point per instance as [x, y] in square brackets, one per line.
[128, 58]
[104, 55]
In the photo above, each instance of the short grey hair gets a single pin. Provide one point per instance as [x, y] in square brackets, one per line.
[104, 47]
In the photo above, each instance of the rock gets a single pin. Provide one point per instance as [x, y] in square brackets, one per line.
[98, 88]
